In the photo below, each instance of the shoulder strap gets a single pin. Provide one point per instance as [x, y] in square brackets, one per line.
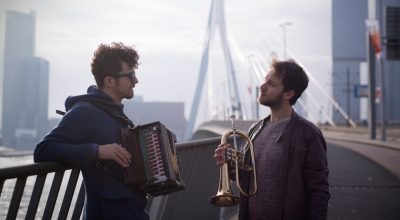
[255, 128]
[122, 118]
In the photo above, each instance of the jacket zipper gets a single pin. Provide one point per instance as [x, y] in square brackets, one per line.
[286, 164]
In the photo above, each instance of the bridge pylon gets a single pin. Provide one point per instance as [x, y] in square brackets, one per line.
[216, 20]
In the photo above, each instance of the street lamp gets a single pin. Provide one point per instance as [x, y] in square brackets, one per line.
[283, 26]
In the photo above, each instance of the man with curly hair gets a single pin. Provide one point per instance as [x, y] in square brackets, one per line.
[290, 154]
[88, 136]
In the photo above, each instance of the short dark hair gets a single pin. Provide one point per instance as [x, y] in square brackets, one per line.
[107, 60]
[293, 77]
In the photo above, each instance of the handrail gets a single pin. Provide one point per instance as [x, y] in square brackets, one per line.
[32, 169]
[40, 170]
[196, 143]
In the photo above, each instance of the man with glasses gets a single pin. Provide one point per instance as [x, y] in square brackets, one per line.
[89, 136]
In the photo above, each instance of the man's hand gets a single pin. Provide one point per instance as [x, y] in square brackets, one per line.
[220, 154]
[115, 152]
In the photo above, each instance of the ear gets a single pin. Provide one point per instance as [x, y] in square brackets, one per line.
[109, 82]
[289, 94]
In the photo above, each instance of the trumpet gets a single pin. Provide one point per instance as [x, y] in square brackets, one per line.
[224, 196]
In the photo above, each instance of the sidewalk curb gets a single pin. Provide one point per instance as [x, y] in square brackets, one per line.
[354, 139]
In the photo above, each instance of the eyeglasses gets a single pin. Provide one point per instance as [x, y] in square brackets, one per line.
[130, 74]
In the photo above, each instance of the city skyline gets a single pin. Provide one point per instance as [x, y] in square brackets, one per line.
[25, 100]
[69, 32]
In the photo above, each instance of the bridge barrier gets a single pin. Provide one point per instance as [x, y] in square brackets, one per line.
[198, 169]
[41, 171]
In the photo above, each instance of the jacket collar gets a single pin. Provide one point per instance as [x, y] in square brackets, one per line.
[260, 124]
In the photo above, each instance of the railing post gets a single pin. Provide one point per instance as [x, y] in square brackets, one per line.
[53, 194]
[79, 203]
[69, 192]
[35, 197]
[1, 186]
[16, 198]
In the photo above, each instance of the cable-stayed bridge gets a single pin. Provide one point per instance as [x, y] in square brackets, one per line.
[364, 175]
[240, 95]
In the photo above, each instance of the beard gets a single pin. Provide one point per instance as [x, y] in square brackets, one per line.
[130, 95]
[126, 94]
[277, 101]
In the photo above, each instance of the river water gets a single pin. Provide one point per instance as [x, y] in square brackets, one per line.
[8, 188]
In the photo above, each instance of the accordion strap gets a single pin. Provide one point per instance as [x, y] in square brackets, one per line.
[121, 117]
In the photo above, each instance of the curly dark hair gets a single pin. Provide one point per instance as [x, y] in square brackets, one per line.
[107, 60]
[293, 77]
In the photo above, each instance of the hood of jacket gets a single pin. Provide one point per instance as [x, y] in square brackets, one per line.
[99, 99]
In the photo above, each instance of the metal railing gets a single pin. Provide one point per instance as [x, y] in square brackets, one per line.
[41, 171]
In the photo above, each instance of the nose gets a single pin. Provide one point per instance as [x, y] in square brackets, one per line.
[135, 80]
[263, 86]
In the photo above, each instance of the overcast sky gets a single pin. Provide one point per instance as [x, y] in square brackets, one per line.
[169, 35]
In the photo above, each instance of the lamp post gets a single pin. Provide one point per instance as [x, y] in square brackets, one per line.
[283, 26]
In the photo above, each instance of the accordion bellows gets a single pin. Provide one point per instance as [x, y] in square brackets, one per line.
[155, 166]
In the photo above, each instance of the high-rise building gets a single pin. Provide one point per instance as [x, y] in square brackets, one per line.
[25, 84]
[348, 51]
[349, 54]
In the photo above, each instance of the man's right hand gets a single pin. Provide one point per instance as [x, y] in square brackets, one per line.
[115, 152]
[220, 154]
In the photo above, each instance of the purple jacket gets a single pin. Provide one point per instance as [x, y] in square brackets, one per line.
[305, 187]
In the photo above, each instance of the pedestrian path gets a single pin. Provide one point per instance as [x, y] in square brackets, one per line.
[361, 188]
[361, 135]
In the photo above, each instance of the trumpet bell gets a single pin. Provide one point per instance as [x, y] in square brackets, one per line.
[224, 200]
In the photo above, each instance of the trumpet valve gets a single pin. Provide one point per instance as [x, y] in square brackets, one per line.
[245, 167]
[238, 156]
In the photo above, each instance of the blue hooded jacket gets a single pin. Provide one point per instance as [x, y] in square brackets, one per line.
[91, 120]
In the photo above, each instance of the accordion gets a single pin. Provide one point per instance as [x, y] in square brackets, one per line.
[155, 167]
